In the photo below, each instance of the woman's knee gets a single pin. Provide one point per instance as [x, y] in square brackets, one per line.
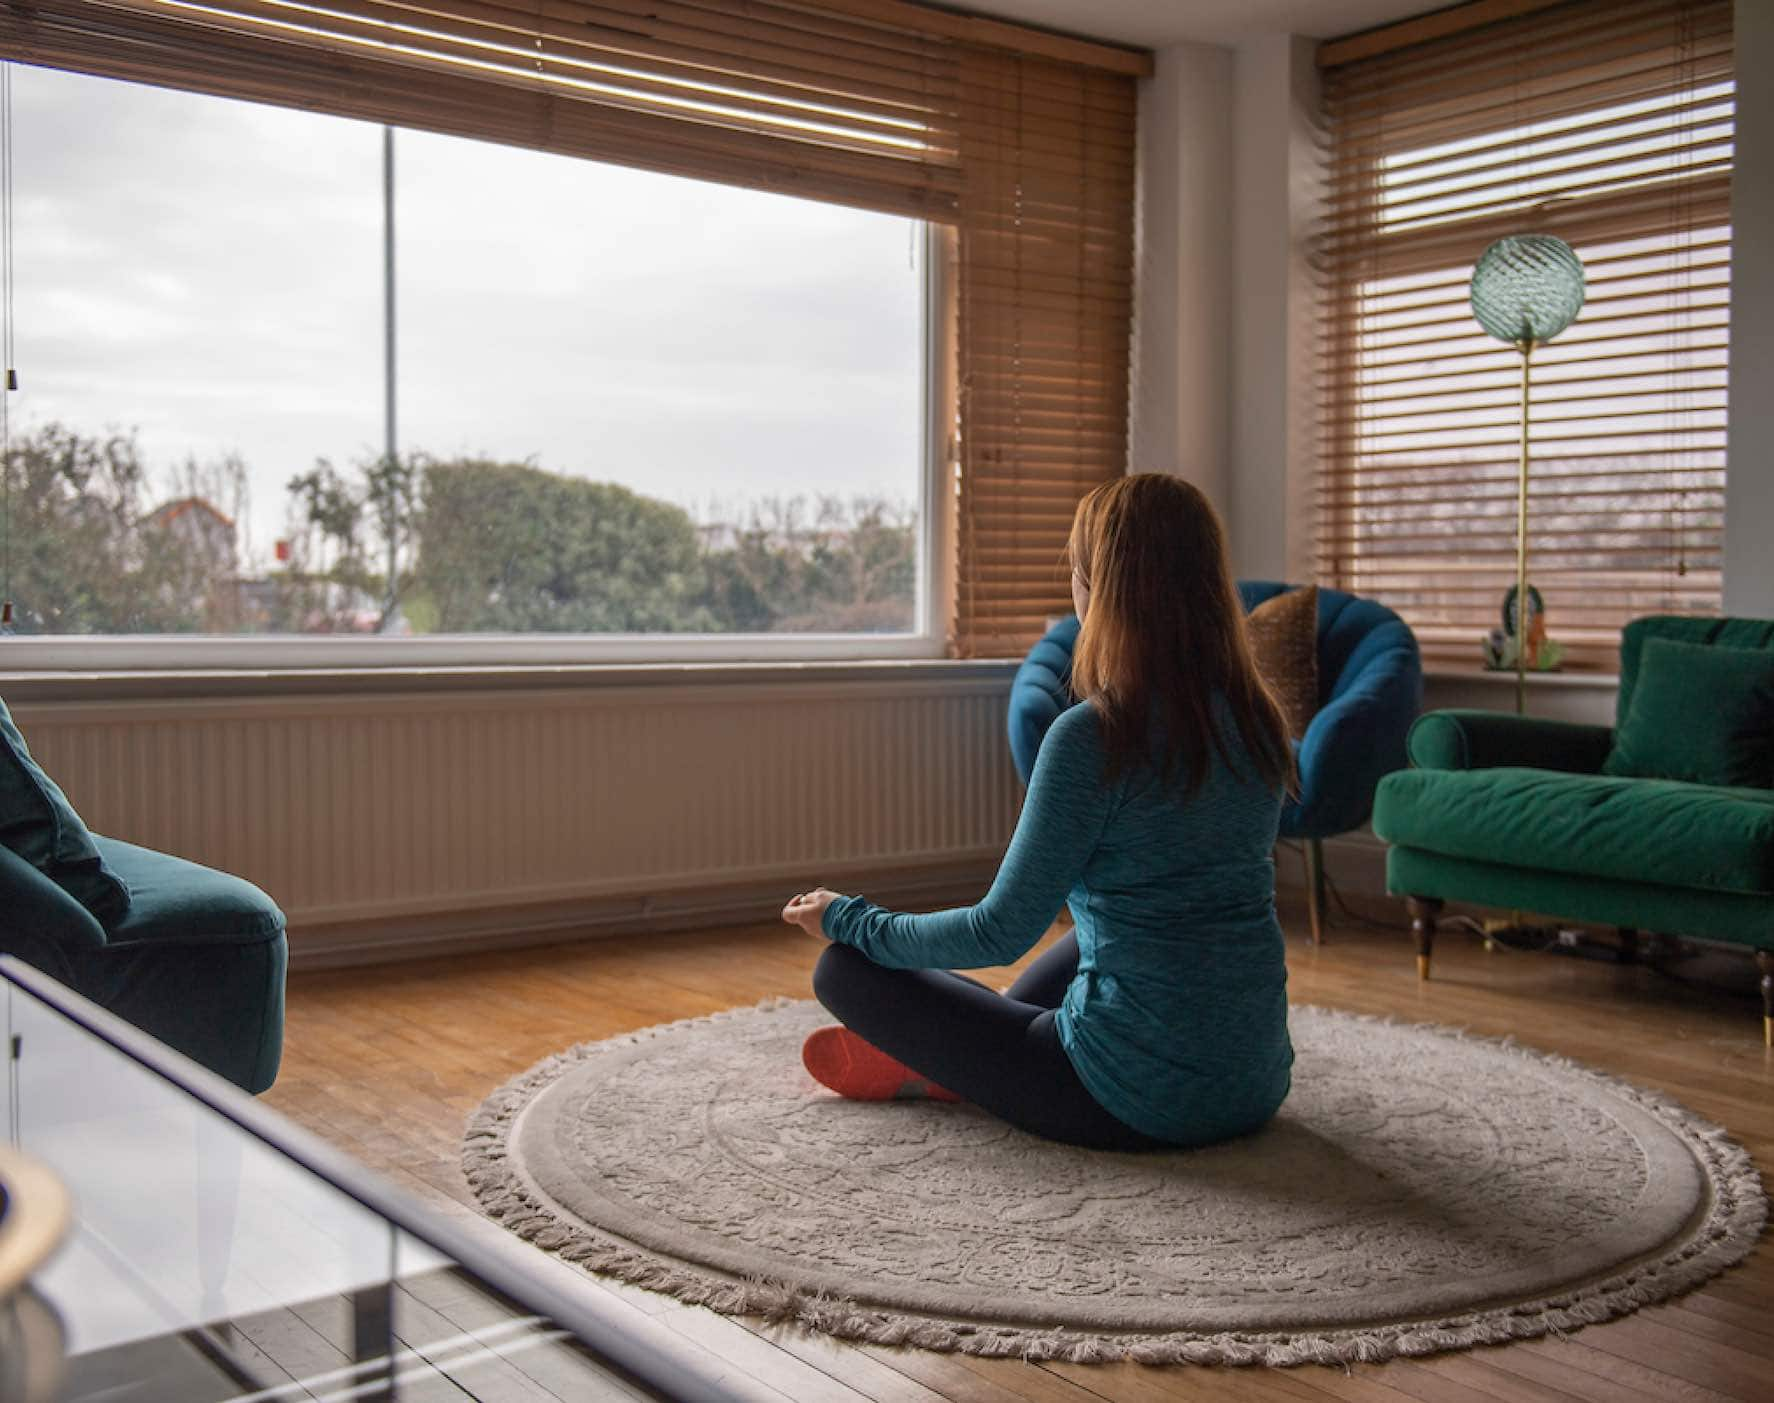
[836, 974]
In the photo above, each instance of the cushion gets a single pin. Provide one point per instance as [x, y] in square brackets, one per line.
[1685, 628]
[1284, 640]
[1633, 830]
[1699, 712]
[38, 823]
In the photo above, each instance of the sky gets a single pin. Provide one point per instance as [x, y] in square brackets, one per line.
[208, 274]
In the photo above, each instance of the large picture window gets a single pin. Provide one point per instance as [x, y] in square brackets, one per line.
[1609, 125]
[624, 402]
[936, 253]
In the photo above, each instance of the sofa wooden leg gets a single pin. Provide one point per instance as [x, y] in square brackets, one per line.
[1765, 963]
[1424, 910]
[1628, 945]
[1315, 888]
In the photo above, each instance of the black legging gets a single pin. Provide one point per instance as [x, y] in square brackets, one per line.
[1000, 1051]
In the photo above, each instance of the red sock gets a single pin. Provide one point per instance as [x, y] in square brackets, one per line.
[860, 1071]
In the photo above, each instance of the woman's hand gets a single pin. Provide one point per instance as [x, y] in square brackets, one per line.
[808, 910]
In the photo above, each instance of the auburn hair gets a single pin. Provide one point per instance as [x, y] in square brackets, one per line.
[1164, 634]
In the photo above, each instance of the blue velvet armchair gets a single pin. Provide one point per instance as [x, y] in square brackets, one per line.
[1370, 689]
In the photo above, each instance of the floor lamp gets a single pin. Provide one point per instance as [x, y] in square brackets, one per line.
[1526, 289]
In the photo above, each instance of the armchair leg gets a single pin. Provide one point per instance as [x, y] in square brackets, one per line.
[1315, 888]
[1424, 910]
[1765, 963]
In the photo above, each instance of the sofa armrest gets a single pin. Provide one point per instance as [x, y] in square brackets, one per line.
[1481, 740]
[41, 923]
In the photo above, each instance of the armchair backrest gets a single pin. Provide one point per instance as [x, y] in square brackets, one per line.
[1685, 628]
[1361, 644]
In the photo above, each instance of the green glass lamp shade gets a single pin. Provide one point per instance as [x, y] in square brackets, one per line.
[1527, 287]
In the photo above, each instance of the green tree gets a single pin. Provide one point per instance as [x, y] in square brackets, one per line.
[863, 571]
[510, 547]
[88, 557]
[827, 567]
[352, 537]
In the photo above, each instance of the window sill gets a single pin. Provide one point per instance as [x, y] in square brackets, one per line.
[1484, 676]
[95, 685]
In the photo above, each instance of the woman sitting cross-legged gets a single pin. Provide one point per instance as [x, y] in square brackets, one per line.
[1161, 1019]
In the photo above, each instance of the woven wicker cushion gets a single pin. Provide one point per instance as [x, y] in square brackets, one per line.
[1284, 637]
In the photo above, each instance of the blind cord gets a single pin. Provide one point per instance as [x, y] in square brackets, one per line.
[6, 346]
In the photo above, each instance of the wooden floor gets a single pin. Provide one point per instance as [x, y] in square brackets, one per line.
[389, 1062]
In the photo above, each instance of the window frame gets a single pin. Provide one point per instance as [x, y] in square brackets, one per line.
[927, 639]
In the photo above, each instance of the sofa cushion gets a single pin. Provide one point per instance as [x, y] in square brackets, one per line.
[39, 824]
[180, 902]
[1636, 830]
[1685, 628]
[1699, 712]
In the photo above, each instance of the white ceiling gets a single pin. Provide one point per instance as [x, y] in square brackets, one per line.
[1155, 23]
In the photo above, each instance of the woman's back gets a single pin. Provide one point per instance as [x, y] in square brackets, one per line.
[1177, 1019]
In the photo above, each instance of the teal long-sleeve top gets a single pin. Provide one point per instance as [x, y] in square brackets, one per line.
[1176, 1021]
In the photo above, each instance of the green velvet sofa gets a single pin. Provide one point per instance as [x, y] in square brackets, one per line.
[1523, 813]
[191, 955]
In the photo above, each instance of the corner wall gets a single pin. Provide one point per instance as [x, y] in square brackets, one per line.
[1749, 484]
[1180, 407]
[1276, 184]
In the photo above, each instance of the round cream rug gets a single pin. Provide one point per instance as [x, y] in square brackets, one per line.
[1420, 1190]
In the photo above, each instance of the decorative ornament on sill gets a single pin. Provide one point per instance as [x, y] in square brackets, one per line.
[1526, 289]
[1544, 654]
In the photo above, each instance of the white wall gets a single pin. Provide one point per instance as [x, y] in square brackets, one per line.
[1180, 410]
[1222, 378]
[1275, 184]
[1749, 485]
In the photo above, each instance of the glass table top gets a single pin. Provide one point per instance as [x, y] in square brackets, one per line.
[218, 1252]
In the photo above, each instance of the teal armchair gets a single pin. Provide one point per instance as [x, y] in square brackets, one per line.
[198, 961]
[192, 956]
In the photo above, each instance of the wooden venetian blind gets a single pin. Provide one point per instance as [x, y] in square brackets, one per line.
[1608, 123]
[777, 96]
[1046, 305]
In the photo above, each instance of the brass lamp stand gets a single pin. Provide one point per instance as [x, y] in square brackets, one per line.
[1526, 346]
[1526, 289]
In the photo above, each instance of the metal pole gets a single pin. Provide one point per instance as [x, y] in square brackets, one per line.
[391, 443]
[392, 439]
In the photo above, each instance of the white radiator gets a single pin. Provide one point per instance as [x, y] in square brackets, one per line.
[414, 822]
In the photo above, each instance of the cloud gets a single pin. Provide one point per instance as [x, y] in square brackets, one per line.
[209, 272]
